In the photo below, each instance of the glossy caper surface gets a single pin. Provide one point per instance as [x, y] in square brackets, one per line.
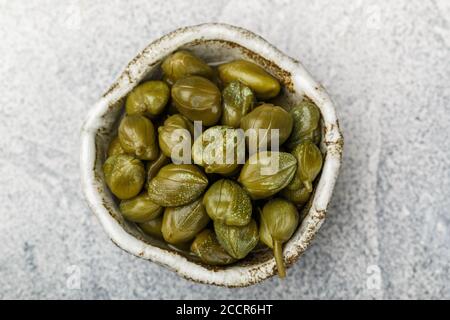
[306, 117]
[237, 100]
[182, 64]
[153, 227]
[238, 241]
[175, 137]
[148, 99]
[198, 99]
[140, 208]
[209, 250]
[264, 85]
[309, 159]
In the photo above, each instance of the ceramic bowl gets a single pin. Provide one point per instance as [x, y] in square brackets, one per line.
[214, 43]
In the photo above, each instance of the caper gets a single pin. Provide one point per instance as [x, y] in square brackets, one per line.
[225, 201]
[153, 227]
[267, 117]
[182, 64]
[298, 196]
[264, 85]
[309, 159]
[148, 98]
[177, 185]
[181, 224]
[266, 173]
[137, 137]
[124, 175]
[238, 100]
[279, 220]
[219, 149]
[306, 123]
[198, 99]
[238, 241]
[208, 249]
[175, 138]
[115, 148]
[140, 208]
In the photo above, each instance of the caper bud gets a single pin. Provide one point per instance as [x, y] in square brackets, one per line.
[181, 224]
[264, 85]
[309, 159]
[306, 122]
[296, 192]
[279, 220]
[177, 185]
[182, 64]
[153, 227]
[124, 175]
[154, 166]
[219, 149]
[198, 99]
[148, 98]
[266, 173]
[115, 148]
[225, 201]
[238, 100]
[175, 137]
[237, 241]
[140, 208]
[137, 137]
[268, 117]
[208, 249]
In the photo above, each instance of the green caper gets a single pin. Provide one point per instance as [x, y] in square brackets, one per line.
[124, 175]
[182, 64]
[279, 220]
[153, 227]
[264, 85]
[175, 137]
[267, 117]
[137, 137]
[198, 99]
[237, 241]
[154, 166]
[219, 149]
[140, 208]
[309, 159]
[181, 224]
[115, 147]
[296, 193]
[238, 100]
[225, 201]
[177, 185]
[148, 98]
[208, 249]
[306, 123]
[266, 173]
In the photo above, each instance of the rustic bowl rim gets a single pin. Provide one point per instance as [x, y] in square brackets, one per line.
[236, 276]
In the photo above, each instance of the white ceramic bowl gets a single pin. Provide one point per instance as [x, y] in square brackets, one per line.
[214, 43]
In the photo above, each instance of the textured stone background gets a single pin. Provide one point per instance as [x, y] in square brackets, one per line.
[385, 63]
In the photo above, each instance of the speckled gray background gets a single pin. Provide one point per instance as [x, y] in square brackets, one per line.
[387, 66]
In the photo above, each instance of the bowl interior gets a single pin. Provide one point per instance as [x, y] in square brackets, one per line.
[213, 52]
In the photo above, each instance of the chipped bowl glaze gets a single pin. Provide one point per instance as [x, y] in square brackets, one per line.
[215, 43]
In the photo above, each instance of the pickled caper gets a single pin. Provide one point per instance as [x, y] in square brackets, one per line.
[267, 117]
[309, 159]
[198, 99]
[279, 220]
[264, 85]
[137, 137]
[306, 118]
[298, 196]
[208, 249]
[153, 227]
[266, 173]
[181, 224]
[238, 241]
[219, 149]
[140, 208]
[148, 98]
[154, 166]
[177, 185]
[175, 138]
[182, 64]
[225, 201]
[124, 175]
[238, 100]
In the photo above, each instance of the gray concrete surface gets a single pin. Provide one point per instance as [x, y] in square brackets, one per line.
[385, 63]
